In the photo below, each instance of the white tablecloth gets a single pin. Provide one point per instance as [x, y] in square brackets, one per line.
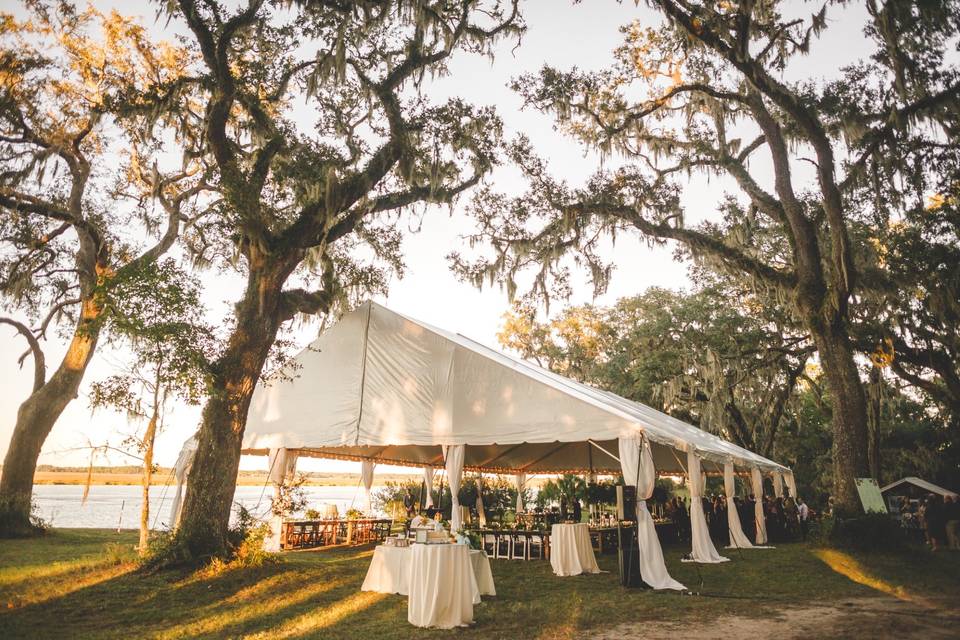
[442, 587]
[570, 550]
[389, 572]
[482, 573]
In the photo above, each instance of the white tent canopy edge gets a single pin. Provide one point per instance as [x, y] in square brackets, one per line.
[384, 387]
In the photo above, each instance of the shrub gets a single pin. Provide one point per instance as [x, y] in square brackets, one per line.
[868, 532]
[244, 540]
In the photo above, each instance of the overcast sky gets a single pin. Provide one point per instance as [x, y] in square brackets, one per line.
[560, 34]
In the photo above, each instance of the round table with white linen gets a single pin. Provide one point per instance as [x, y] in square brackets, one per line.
[442, 586]
[389, 572]
[571, 552]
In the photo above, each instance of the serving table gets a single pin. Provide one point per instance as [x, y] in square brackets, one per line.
[389, 571]
[571, 552]
[442, 586]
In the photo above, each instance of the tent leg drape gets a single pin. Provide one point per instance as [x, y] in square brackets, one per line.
[777, 484]
[366, 475]
[453, 461]
[757, 484]
[738, 539]
[791, 484]
[521, 480]
[428, 484]
[702, 546]
[283, 465]
[180, 471]
[636, 463]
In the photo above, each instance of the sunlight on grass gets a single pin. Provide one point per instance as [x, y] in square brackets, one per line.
[257, 602]
[57, 585]
[847, 566]
[325, 616]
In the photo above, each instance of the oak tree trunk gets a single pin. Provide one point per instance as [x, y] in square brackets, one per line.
[212, 478]
[849, 406]
[35, 418]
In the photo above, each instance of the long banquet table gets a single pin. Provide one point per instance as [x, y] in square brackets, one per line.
[304, 534]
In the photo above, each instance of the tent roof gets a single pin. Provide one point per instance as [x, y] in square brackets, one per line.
[379, 385]
[919, 482]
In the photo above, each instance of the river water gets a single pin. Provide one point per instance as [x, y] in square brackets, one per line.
[112, 506]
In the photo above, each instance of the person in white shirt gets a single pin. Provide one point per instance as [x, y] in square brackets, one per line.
[804, 514]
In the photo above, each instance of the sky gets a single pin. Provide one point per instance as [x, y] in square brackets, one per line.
[559, 33]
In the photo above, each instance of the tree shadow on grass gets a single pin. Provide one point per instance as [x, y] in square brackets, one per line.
[169, 603]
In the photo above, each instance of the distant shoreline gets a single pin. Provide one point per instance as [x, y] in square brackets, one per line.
[246, 478]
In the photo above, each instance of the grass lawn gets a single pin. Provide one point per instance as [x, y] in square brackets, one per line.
[81, 583]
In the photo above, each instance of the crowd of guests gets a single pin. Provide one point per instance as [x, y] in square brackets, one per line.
[937, 517]
[786, 518]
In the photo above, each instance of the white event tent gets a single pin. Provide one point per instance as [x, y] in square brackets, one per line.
[379, 387]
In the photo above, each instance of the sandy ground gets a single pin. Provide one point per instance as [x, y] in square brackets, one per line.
[874, 617]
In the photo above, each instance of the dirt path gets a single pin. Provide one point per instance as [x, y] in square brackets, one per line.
[875, 617]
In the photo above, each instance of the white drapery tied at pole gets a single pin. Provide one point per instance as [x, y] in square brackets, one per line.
[283, 466]
[636, 464]
[521, 479]
[738, 539]
[481, 512]
[366, 475]
[453, 462]
[180, 471]
[428, 485]
[703, 549]
[777, 484]
[791, 484]
[757, 484]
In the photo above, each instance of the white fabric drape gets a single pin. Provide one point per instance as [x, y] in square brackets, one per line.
[453, 462]
[180, 471]
[791, 484]
[757, 483]
[777, 484]
[481, 512]
[703, 549]
[283, 466]
[521, 479]
[738, 539]
[428, 486]
[366, 475]
[636, 464]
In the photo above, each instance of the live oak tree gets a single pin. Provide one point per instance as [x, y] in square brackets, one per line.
[705, 93]
[85, 197]
[157, 316]
[312, 205]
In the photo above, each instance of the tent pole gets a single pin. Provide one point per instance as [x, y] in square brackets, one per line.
[604, 450]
